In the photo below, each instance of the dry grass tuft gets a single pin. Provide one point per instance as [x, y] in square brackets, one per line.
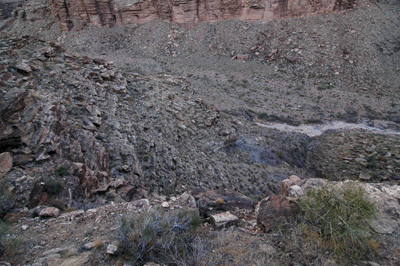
[336, 216]
[98, 243]
[219, 201]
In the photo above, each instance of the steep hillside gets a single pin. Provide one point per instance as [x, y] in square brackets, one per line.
[307, 70]
[99, 122]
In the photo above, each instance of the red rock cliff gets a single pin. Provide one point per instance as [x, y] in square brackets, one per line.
[121, 12]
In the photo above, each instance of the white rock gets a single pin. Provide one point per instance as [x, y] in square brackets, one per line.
[223, 220]
[24, 227]
[165, 204]
[393, 191]
[295, 191]
[50, 212]
[91, 212]
[112, 249]
[23, 66]
[185, 196]
[89, 245]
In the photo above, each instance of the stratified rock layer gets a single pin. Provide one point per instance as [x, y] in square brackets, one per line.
[187, 12]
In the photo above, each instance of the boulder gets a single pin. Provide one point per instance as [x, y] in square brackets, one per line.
[112, 249]
[6, 162]
[143, 204]
[275, 210]
[386, 220]
[187, 200]
[223, 220]
[23, 68]
[126, 192]
[212, 201]
[50, 212]
[295, 191]
[288, 182]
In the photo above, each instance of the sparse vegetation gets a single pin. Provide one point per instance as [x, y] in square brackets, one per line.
[6, 198]
[325, 86]
[179, 131]
[53, 186]
[372, 162]
[338, 217]
[8, 246]
[61, 170]
[3, 232]
[160, 237]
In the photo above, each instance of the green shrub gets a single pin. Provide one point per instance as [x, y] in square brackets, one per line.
[3, 231]
[372, 162]
[53, 186]
[158, 236]
[339, 216]
[8, 246]
[61, 170]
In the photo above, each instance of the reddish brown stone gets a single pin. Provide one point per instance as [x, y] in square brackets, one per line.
[212, 201]
[114, 13]
[274, 211]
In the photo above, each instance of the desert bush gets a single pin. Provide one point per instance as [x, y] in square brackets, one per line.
[339, 217]
[53, 186]
[3, 231]
[161, 237]
[7, 199]
[61, 170]
[8, 246]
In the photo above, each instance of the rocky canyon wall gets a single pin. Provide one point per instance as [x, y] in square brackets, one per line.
[185, 12]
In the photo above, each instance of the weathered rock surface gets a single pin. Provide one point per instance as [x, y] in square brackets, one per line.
[355, 155]
[121, 12]
[273, 211]
[6, 162]
[386, 198]
[120, 138]
[112, 249]
[287, 183]
[223, 220]
[50, 212]
[210, 201]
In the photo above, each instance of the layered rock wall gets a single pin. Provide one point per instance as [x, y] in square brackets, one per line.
[187, 12]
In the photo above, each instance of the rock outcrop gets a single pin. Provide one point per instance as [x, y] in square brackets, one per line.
[5, 163]
[186, 12]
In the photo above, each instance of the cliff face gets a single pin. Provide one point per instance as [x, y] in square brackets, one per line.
[187, 12]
